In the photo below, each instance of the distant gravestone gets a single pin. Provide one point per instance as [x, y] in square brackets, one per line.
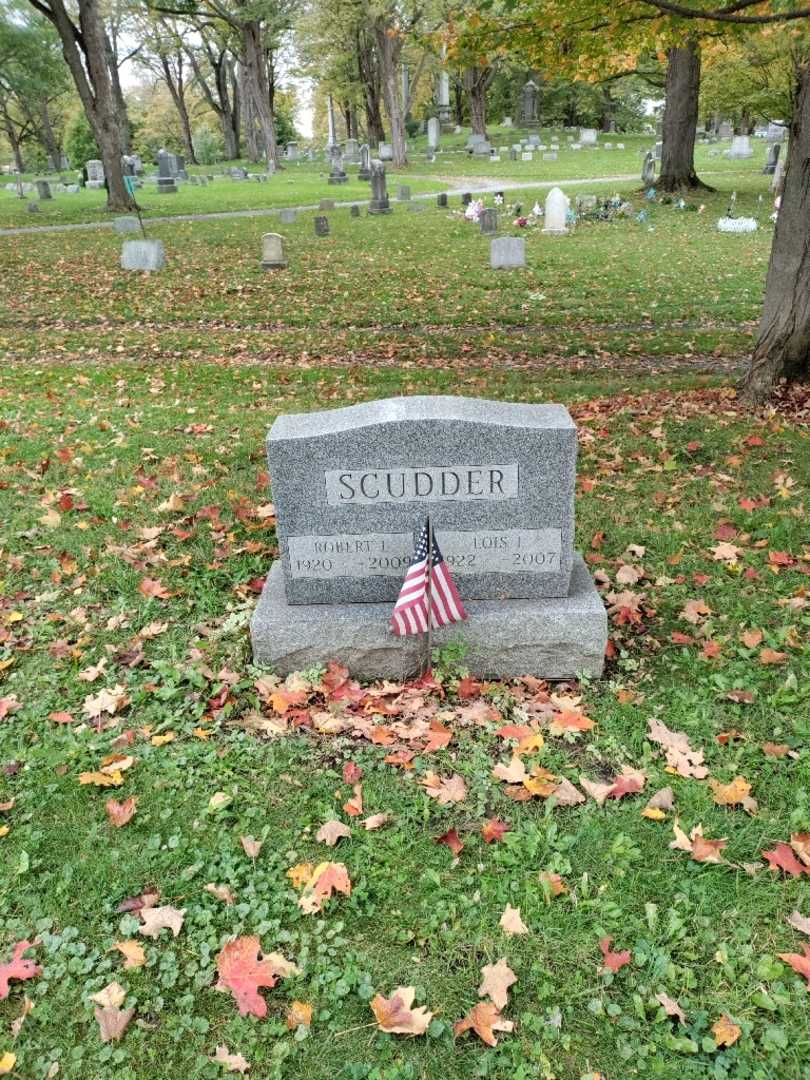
[337, 174]
[273, 252]
[527, 155]
[658, 150]
[379, 203]
[352, 488]
[145, 255]
[364, 172]
[556, 210]
[326, 204]
[529, 101]
[773, 157]
[507, 253]
[354, 210]
[740, 147]
[648, 169]
[550, 155]
[534, 141]
[588, 137]
[513, 154]
[351, 151]
[166, 173]
[441, 199]
[776, 132]
[434, 129]
[404, 193]
[95, 173]
[385, 152]
[33, 208]
[43, 189]
[726, 130]
[288, 216]
[321, 226]
[506, 122]
[488, 221]
[126, 225]
[466, 199]
[291, 151]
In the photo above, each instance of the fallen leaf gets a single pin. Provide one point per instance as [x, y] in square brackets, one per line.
[112, 1023]
[497, 978]
[494, 830]
[243, 973]
[513, 773]
[799, 922]
[376, 821]
[553, 884]
[699, 847]
[737, 793]
[799, 963]
[299, 1014]
[7, 1063]
[484, 1019]
[119, 813]
[110, 997]
[444, 790]
[233, 1062]
[251, 847]
[327, 877]
[396, 1014]
[725, 1031]
[354, 806]
[671, 1007]
[18, 967]
[101, 779]
[614, 961]
[800, 842]
[782, 858]
[678, 752]
[511, 922]
[154, 589]
[133, 953]
[221, 892]
[156, 919]
[332, 831]
[567, 794]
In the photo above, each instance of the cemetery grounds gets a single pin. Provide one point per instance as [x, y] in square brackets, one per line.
[137, 529]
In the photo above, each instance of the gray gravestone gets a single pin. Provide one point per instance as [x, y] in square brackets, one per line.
[466, 199]
[166, 175]
[441, 198]
[43, 189]
[352, 488]
[95, 173]
[326, 204]
[351, 151]
[337, 174]
[379, 203]
[354, 210]
[507, 253]
[404, 193]
[126, 225]
[648, 169]
[321, 226]
[288, 216]
[773, 157]
[273, 252]
[364, 172]
[143, 255]
[433, 132]
[386, 152]
[488, 220]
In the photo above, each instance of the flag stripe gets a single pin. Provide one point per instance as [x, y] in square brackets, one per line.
[417, 604]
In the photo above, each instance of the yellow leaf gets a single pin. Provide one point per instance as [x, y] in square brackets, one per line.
[100, 779]
[299, 1013]
[161, 740]
[7, 1063]
[653, 813]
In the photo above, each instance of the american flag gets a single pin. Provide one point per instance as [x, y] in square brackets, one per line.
[410, 615]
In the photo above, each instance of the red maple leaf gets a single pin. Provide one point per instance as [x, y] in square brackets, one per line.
[468, 688]
[453, 841]
[782, 858]
[242, 972]
[494, 829]
[18, 968]
[799, 963]
[352, 773]
[613, 960]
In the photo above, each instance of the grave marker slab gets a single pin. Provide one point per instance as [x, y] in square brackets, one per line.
[507, 253]
[143, 255]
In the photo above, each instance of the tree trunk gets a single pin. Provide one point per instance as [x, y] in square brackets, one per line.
[226, 102]
[177, 89]
[782, 350]
[352, 121]
[49, 141]
[389, 46]
[368, 70]
[458, 102]
[476, 81]
[680, 120]
[94, 86]
[607, 123]
[256, 87]
[16, 148]
[118, 94]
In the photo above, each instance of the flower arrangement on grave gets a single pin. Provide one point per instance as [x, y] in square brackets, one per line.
[733, 224]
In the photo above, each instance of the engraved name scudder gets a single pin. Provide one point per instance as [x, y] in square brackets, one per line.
[346, 487]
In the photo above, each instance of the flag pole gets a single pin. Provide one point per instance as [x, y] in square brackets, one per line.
[429, 635]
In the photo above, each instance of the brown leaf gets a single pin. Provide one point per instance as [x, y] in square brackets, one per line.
[671, 1007]
[725, 1031]
[332, 831]
[110, 997]
[494, 830]
[112, 1022]
[799, 922]
[799, 963]
[447, 790]
[354, 806]
[662, 800]
[699, 847]
[513, 773]
[221, 892]
[251, 847]
[376, 821]
[452, 840]
[156, 919]
[484, 1019]
[566, 794]
[800, 842]
[679, 754]
[782, 858]
[497, 978]
[396, 1014]
[152, 588]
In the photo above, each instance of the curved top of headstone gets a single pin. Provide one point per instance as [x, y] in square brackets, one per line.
[420, 407]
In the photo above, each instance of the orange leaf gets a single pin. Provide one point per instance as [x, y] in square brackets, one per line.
[119, 813]
[396, 1014]
[799, 963]
[243, 973]
[484, 1019]
[725, 1031]
[494, 829]
[452, 840]
[614, 961]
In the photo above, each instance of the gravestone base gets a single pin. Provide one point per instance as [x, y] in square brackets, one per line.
[555, 638]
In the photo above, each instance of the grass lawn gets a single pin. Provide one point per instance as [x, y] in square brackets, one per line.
[119, 474]
[402, 287]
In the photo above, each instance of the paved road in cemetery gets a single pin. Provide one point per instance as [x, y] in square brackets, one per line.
[475, 185]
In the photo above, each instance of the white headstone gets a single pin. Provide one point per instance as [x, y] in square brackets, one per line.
[143, 255]
[556, 211]
[433, 132]
[273, 252]
[740, 147]
[588, 136]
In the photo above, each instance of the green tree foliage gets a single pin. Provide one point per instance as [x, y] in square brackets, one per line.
[80, 143]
